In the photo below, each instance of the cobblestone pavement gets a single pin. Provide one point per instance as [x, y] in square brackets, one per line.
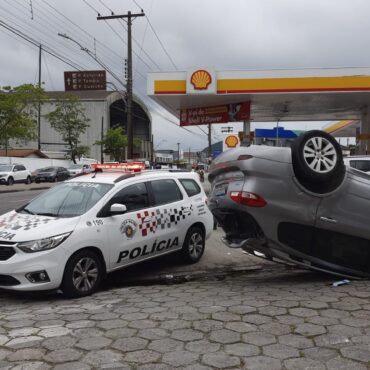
[278, 319]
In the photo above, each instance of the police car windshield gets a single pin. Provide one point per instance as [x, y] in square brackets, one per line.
[70, 199]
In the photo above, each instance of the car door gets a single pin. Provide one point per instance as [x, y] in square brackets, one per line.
[18, 174]
[125, 240]
[173, 212]
[342, 233]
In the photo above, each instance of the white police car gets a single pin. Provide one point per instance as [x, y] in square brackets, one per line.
[72, 235]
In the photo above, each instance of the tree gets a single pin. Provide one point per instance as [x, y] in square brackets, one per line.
[82, 150]
[70, 121]
[18, 111]
[114, 143]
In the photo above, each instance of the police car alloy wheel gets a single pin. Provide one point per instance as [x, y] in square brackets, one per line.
[193, 247]
[82, 274]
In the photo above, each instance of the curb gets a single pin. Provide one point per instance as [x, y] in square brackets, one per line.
[184, 276]
[20, 190]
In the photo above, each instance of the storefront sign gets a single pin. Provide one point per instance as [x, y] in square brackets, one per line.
[218, 114]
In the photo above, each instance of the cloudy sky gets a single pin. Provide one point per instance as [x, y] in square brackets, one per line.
[224, 34]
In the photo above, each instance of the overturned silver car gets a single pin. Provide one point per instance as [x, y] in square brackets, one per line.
[298, 205]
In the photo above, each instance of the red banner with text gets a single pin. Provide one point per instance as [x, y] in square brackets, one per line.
[218, 114]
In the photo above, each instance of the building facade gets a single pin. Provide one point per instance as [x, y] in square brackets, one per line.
[104, 109]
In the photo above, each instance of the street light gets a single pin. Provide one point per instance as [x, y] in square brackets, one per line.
[86, 50]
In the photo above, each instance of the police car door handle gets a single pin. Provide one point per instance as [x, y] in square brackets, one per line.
[328, 219]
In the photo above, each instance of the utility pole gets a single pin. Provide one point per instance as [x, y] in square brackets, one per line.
[209, 141]
[129, 16]
[189, 155]
[178, 153]
[39, 105]
[102, 138]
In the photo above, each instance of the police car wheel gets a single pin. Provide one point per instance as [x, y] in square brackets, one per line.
[193, 247]
[82, 275]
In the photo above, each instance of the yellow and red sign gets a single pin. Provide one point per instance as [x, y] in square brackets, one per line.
[232, 141]
[201, 79]
[218, 114]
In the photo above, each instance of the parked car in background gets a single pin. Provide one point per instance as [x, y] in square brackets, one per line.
[12, 173]
[52, 174]
[359, 162]
[79, 169]
[298, 205]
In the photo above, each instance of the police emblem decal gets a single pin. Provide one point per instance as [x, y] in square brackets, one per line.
[128, 227]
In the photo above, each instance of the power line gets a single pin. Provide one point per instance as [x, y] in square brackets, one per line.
[119, 36]
[78, 28]
[27, 30]
[156, 35]
[36, 43]
[136, 42]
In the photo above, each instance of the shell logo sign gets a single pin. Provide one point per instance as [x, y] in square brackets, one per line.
[231, 141]
[201, 79]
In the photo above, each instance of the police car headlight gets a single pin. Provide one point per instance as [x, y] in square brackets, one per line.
[43, 244]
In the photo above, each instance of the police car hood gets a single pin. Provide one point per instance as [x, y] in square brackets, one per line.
[19, 227]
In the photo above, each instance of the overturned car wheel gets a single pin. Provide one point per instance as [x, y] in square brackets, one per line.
[318, 162]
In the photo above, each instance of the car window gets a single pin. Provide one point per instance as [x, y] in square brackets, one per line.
[5, 168]
[68, 200]
[134, 197]
[165, 191]
[360, 165]
[190, 186]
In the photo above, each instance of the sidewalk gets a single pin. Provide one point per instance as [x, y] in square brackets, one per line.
[23, 187]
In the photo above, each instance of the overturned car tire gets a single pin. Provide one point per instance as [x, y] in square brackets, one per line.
[318, 162]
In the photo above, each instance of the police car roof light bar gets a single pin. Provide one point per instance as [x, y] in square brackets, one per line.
[131, 166]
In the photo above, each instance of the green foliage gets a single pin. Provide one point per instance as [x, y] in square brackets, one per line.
[82, 151]
[70, 121]
[114, 142]
[18, 111]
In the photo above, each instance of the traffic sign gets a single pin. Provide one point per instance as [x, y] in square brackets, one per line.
[85, 80]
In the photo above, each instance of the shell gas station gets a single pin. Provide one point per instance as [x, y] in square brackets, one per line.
[202, 96]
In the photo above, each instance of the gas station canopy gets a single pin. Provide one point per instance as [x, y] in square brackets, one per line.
[287, 95]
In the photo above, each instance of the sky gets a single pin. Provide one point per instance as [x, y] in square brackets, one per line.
[178, 35]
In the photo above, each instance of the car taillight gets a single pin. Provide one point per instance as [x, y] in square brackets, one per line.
[247, 199]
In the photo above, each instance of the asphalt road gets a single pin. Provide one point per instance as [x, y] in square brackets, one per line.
[9, 201]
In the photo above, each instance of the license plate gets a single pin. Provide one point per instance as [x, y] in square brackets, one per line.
[220, 190]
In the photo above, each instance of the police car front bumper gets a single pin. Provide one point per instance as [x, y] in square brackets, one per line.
[33, 271]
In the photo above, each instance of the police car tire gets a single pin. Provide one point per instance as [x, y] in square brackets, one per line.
[194, 244]
[68, 287]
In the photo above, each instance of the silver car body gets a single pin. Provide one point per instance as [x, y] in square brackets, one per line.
[327, 232]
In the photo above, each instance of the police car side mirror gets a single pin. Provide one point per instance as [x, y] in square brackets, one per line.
[117, 209]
